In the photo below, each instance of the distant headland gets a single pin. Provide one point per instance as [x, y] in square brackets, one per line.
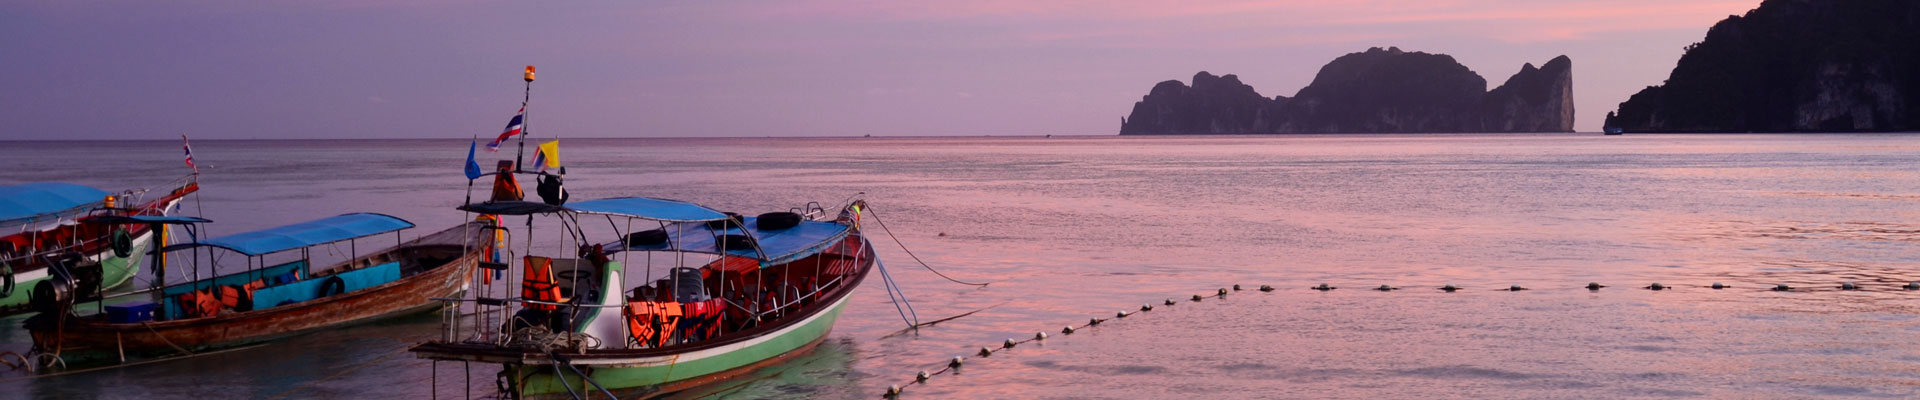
[1792, 66]
[1376, 91]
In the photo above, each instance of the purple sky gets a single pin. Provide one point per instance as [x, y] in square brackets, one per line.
[79, 69]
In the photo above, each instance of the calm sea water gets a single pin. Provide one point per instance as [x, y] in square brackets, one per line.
[1071, 228]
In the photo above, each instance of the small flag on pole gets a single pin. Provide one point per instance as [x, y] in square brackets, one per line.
[513, 128]
[189, 148]
[547, 156]
[473, 168]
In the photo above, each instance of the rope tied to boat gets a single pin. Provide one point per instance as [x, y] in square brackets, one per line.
[903, 248]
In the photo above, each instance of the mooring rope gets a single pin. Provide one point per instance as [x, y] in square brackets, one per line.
[903, 248]
[886, 281]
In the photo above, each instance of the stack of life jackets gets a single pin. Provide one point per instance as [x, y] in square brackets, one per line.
[209, 302]
[652, 323]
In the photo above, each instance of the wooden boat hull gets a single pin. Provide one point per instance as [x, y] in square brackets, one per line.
[661, 374]
[83, 339]
[116, 271]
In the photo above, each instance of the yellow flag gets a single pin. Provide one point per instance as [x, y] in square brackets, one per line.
[547, 155]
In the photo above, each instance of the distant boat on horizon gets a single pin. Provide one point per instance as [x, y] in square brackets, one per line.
[1613, 131]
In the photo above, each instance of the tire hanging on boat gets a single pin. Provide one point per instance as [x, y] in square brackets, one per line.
[6, 273]
[122, 243]
[332, 286]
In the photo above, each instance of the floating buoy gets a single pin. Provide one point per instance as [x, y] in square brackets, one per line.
[1223, 291]
[1122, 314]
[1449, 288]
[957, 360]
[1912, 286]
[1515, 288]
[1594, 286]
[1849, 286]
[1782, 287]
[922, 377]
[1068, 330]
[1718, 286]
[1656, 286]
[1008, 344]
[1385, 288]
[1092, 322]
[943, 234]
[1039, 336]
[1169, 301]
[1323, 287]
[893, 391]
[1146, 307]
[1266, 288]
[1196, 297]
[1236, 287]
[986, 352]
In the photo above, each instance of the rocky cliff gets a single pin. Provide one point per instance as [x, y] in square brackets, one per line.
[1792, 66]
[1376, 91]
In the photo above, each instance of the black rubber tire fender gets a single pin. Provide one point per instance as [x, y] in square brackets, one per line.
[332, 286]
[774, 221]
[122, 242]
[647, 237]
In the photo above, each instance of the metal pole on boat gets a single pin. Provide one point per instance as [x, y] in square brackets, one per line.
[160, 275]
[526, 125]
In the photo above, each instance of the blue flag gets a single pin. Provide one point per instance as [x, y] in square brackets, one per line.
[473, 168]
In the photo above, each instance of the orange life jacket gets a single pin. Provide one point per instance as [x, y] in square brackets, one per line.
[651, 323]
[505, 188]
[199, 303]
[538, 284]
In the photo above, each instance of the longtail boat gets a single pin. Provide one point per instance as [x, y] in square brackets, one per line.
[56, 224]
[719, 295]
[266, 300]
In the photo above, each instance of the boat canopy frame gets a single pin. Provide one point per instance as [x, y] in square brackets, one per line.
[339, 228]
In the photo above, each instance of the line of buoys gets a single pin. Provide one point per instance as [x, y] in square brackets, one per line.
[923, 376]
[894, 391]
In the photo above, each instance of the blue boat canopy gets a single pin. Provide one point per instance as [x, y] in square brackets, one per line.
[31, 199]
[776, 246]
[310, 233]
[648, 208]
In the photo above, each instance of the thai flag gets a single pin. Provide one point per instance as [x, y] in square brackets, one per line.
[513, 128]
[189, 147]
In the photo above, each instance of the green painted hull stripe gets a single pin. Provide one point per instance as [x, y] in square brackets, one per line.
[540, 379]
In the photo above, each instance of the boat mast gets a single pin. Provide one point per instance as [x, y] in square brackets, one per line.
[526, 122]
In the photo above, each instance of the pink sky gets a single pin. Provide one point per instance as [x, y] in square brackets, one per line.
[449, 69]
